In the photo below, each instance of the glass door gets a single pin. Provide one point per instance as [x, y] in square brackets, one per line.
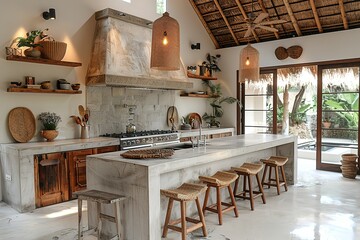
[259, 107]
[338, 111]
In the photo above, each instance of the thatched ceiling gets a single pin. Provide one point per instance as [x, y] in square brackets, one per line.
[224, 20]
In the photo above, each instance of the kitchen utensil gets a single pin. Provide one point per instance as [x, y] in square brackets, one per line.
[192, 117]
[81, 110]
[130, 128]
[172, 117]
[21, 124]
[86, 117]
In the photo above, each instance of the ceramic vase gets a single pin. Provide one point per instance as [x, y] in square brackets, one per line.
[31, 52]
[49, 135]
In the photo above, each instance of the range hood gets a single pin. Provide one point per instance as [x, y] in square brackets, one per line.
[121, 55]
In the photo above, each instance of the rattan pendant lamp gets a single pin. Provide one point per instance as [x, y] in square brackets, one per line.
[249, 64]
[165, 46]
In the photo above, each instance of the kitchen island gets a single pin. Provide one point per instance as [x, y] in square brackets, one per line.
[140, 181]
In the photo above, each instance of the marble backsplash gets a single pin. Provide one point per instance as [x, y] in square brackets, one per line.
[109, 114]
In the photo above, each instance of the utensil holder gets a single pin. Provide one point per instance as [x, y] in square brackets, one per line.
[85, 132]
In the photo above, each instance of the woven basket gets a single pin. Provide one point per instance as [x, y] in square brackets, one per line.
[53, 50]
[281, 53]
[295, 51]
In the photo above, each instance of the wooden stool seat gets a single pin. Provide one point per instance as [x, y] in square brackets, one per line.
[247, 170]
[99, 197]
[186, 192]
[220, 180]
[276, 163]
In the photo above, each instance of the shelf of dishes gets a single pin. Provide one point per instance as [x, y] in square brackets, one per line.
[39, 90]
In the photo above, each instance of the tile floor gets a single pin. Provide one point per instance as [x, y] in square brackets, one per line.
[322, 205]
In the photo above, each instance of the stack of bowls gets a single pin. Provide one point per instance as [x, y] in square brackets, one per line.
[349, 165]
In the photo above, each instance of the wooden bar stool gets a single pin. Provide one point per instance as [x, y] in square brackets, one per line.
[276, 162]
[100, 198]
[186, 192]
[248, 170]
[220, 180]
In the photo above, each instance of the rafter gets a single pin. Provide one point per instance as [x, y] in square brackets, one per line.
[245, 16]
[343, 14]
[226, 21]
[265, 11]
[316, 16]
[292, 17]
[204, 24]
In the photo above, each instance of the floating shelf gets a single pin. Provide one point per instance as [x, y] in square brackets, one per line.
[195, 95]
[43, 61]
[34, 90]
[190, 75]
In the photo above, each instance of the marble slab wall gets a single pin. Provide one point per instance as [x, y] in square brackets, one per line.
[109, 114]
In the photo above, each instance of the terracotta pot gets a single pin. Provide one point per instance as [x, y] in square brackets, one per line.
[49, 135]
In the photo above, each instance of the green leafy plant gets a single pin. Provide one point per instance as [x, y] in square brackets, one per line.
[49, 120]
[217, 100]
[211, 62]
[31, 40]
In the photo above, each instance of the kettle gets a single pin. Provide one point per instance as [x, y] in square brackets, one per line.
[130, 128]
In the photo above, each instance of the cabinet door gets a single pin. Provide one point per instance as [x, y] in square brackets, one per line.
[51, 179]
[227, 134]
[77, 169]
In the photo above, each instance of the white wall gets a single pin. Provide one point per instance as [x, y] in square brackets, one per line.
[75, 25]
[321, 47]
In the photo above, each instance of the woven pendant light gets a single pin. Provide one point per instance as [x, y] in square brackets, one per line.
[249, 64]
[165, 46]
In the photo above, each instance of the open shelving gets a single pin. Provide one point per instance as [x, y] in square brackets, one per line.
[190, 75]
[42, 61]
[35, 90]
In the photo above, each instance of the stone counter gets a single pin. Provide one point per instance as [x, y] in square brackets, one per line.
[17, 166]
[141, 180]
[205, 131]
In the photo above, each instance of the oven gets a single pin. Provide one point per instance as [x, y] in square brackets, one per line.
[144, 139]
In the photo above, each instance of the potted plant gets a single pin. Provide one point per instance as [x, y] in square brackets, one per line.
[210, 65]
[216, 101]
[31, 41]
[50, 122]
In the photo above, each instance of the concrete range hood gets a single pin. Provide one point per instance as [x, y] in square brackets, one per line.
[121, 55]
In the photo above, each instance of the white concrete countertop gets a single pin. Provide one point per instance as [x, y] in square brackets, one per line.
[205, 131]
[225, 147]
[32, 148]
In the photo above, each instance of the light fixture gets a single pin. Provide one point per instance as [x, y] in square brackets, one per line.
[195, 46]
[50, 14]
[249, 64]
[165, 46]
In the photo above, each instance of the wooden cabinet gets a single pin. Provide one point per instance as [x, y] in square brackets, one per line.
[77, 169]
[51, 179]
[106, 149]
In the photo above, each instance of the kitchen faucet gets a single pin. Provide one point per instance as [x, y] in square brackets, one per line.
[200, 134]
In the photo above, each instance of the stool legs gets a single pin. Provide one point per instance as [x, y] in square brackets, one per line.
[277, 180]
[219, 203]
[79, 219]
[167, 218]
[283, 177]
[183, 219]
[247, 188]
[202, 218]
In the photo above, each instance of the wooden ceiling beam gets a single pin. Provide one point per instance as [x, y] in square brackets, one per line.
[245, 17]
[226, 21]
[216, 43]
[292, 17]
[265, 11]
[343, 14]
[316, 16]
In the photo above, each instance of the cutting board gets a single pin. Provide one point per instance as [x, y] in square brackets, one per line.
[172, 117]
[22, 125]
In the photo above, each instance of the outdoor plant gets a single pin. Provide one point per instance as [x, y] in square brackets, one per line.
[216, 101]
[49, 120]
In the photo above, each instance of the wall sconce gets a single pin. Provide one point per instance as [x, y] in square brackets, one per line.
[165, 45]
[249, 64]
[195, 46]
[50, 14]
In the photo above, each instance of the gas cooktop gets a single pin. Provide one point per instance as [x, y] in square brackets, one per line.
[138, 134]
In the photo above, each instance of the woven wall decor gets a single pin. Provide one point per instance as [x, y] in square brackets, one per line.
[294, 52]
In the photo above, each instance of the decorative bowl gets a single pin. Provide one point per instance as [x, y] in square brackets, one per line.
[75, 86]
[53, 50]
[65, 86]
[46, 85]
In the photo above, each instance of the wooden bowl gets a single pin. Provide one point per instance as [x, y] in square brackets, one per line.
[75, 86]
[53, 50]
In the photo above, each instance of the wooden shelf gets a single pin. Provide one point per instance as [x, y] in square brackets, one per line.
[34, 90]
[43, 61]
[190, 75]
[195, 95]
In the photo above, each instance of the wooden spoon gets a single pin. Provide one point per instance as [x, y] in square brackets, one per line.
[81, 111]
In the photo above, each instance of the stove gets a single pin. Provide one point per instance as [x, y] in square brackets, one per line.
[143, 139]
